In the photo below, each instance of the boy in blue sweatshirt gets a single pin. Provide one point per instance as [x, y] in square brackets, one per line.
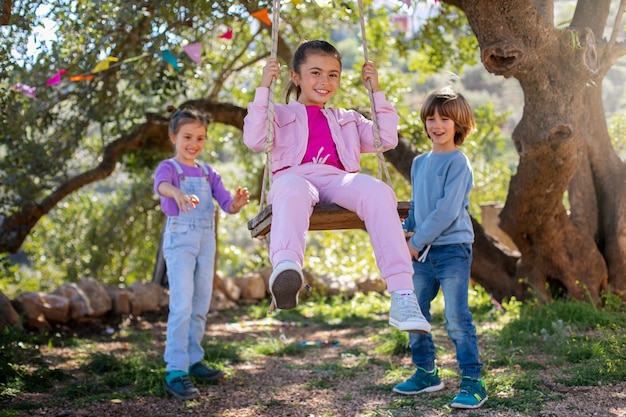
[440, 236]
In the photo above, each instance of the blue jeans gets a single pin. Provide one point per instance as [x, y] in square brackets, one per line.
[446, 267]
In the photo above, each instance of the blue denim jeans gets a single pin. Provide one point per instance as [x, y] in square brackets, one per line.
[446, 267]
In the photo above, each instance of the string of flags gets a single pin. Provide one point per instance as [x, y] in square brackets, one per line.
[193, 50]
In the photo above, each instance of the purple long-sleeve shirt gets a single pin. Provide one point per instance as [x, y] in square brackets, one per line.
[166, 172]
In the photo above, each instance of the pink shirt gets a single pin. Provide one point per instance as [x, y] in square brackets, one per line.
[352, 133]
[320, 148]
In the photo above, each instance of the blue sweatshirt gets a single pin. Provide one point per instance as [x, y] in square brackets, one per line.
[439, 214]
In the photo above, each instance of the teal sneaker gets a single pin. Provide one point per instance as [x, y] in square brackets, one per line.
[180, 386]
[472, 393]
[202, 372]
[421, 381]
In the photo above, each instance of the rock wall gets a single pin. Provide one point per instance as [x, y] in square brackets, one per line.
[88, 299]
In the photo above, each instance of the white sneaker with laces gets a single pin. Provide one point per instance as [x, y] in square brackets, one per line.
[285, 284]
[405, 314]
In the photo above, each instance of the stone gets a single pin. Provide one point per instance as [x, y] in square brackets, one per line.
[120, 299]
[220, 301]
[98, 296]
[228, 286]
[371, 283]
[8, 316]
[41, 309]
[80, 305]
[253, 286]
[148, 294]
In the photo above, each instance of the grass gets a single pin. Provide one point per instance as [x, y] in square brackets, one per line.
[525, 343]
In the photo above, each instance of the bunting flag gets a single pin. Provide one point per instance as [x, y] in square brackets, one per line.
[27, 90]
[85, 77]
[194, 50]
[104, 64]
[169, 57]
[227, 35]
[263, 16]
[56, 78]
[402, 22]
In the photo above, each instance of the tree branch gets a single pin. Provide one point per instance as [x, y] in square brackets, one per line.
[618, 23]
[152, 135]
[591, 14]
[5, 12]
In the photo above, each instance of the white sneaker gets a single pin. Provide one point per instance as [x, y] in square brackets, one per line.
[405, 314]
[285, 284]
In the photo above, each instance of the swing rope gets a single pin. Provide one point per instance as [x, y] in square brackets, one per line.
[382, 166]
[269, 142]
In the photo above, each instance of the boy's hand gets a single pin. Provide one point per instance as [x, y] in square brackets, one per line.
[414, 253]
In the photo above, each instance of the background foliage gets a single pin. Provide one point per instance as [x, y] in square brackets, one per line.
[110, 229]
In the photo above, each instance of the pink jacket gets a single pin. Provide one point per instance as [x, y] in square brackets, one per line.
[352, 133]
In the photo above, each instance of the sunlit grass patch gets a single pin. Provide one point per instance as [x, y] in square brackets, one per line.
[392, 342]
[338, 311]
[518, 390]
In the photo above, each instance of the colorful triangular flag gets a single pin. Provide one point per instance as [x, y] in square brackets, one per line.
[86, 77]
[263, 16]
[169, 57]
[227, 35]
[104, 64]
[194, 50]
[27, 90]
[56, 78]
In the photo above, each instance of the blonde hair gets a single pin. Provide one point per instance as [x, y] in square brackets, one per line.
[448, 103]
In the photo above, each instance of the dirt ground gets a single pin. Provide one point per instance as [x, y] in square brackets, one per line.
[327, 380]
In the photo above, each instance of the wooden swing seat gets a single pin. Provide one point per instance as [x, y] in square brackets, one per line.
[326, 216]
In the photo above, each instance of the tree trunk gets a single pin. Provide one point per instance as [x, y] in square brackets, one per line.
[562, 143]
[603, 191]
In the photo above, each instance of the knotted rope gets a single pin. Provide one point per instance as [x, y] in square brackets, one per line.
[269, 141]
[382, 166]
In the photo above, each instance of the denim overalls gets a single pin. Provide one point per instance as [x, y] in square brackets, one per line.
[189, 251]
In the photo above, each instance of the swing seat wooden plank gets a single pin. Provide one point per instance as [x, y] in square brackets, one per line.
[326, 216]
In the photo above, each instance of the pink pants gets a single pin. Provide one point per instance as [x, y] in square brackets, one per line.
[296, 190]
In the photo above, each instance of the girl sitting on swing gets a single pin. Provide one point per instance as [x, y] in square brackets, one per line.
[316, 157]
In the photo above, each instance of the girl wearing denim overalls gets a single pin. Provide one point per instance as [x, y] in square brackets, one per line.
[187, 189]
